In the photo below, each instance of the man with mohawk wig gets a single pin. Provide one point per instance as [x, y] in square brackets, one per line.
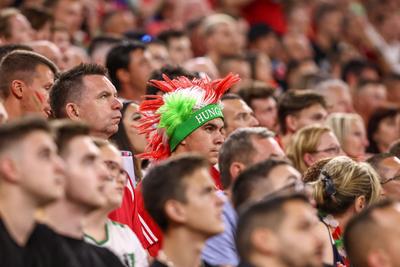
[187, 118]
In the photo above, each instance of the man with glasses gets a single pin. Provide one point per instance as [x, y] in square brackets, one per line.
[103, 232]
[387, 166]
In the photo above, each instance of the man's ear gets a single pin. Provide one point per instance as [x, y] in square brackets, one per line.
[264, 241]
[9, 170]
[17, 88]
[291, 123]
[175, 211]
[235, 169]
[72, 111]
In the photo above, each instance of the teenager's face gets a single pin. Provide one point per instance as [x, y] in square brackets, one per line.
[115, 183]
[40, 169]
[206, 140]
[237, 114]
[86, 174]
[203, 208]
[315, 114]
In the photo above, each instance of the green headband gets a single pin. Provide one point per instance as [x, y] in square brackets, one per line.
[197, 119]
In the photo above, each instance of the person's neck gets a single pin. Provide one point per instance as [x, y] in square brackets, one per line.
[131, 93]
[324, 41]
[259, 260]
[95, 224]
[215, 58]
[182, 247]
[66, 218]
[17, 211]
[286, 139]
[13, 108]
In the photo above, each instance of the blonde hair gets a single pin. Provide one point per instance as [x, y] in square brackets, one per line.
[306, 140]
[348, 180]
[341, 124]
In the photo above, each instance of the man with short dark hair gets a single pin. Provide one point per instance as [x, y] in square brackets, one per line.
[84, 93]
[380, 221]
[337, 95]
[387, 166]
[25, 81]
[129, 65]
[281, 231]
[85, 176]
[243, 148]
[180, 195]
[178, 44]
[264, 105]
[297, 109]
[31, 177]
[237, 114]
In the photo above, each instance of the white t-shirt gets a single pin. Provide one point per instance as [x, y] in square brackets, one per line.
[122, 241]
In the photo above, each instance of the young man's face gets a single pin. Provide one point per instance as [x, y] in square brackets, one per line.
[237, 114]
[139, 69]
[86, 173]
[203, 207]
[180, 50]
[266, 112]
[40, 169]
[36, 96]
[206, 140]
[300, 244]
[99, 105]
[315, 114]
[115, 183]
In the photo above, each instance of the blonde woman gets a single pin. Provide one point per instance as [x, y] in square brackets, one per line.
[341, 188]
[350, 131]
[311, 144]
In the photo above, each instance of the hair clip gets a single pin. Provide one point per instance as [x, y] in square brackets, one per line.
[329, 187]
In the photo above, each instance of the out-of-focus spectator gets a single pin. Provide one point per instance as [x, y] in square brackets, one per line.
[368, 97]
[337, 96]
[357, 70]
[261, 38]
[310, 144]
[41, 20]
[350, 131]
[264, 104]
[129, 66]
[26, 79]
[118, 22]
[392, 83]
[178, 44]
[159, 54]
[297, 109]
[383, 129]
[297, 47]
[237, 114]
[387, 166]
[14, 27]
[49, 50]
[261, 68]
[99, 48]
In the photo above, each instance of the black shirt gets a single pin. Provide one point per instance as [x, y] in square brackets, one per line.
[43, 248]
[89, 255]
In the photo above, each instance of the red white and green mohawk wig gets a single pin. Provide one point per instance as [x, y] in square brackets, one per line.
[186, 105]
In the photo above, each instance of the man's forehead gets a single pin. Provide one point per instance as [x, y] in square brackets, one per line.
[97, 83]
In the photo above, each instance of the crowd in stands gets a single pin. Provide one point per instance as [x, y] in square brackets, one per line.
[188, 133]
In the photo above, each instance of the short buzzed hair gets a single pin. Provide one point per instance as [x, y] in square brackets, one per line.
[239, 147]
[294, 101]
[265, 214]
[21, 65]
[356, 242]
[166, 181]
[13, 132]
[69, 86]
[66, 130]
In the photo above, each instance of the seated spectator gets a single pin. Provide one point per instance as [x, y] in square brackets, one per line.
[269, 233]
[159, 54]
[297, 109]
[387, 166]
[178, 45]
[25, 81]
[381, 222]
[311, 144]
[40, 19]
[84, 93]
[180, 196]
[337, 96]
[118, 22]
[99, 48]
[350, 131]
[261, 68]
[383, 129]
[237, 114]
[262, 101]
[14, 27]
[103, 232]
[368, 97]
[341, 188]
[127, 138]
[357, 70]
